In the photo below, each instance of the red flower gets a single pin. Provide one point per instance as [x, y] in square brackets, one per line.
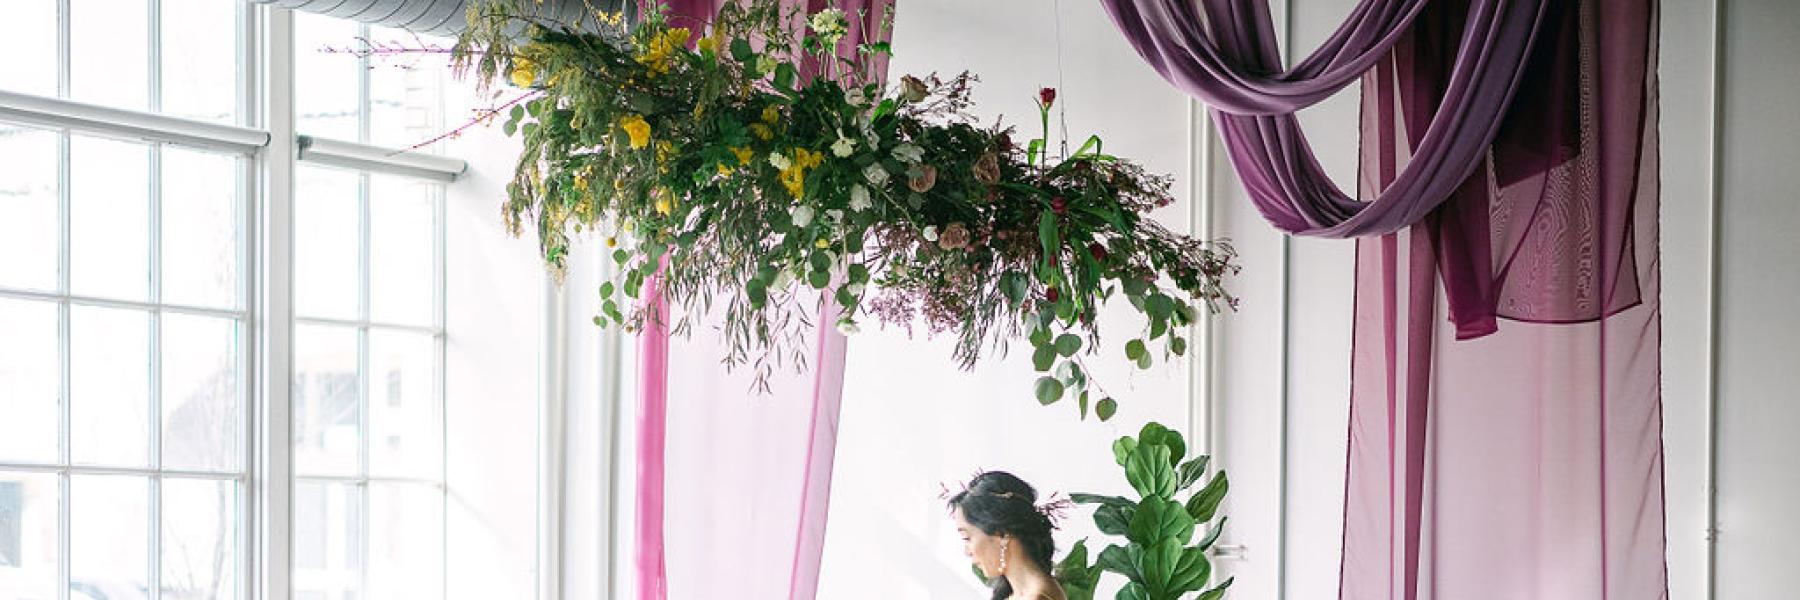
[1047, 96]
[1098, 251]
[1059, 205]
[1050, 294]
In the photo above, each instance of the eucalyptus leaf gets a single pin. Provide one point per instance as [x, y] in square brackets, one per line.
[1106, 408]
[1049, 390]
[1068, 344]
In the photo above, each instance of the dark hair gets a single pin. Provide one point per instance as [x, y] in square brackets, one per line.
[1000, 503]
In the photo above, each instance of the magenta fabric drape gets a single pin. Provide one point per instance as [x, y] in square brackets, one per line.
[1509, 159]
[736, 506]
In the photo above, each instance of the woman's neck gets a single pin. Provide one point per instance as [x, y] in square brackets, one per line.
[1025, 577]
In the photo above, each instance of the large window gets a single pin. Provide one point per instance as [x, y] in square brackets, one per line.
[132, 337]
[367, 390]
[123, 317]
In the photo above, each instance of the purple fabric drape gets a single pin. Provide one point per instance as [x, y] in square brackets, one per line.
[750, 473]
[1509, 159]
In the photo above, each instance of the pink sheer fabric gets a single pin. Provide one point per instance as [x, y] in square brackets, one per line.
[1526, 463]
[737, 506]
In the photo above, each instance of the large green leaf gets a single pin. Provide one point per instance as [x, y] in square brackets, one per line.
[1117, 560]
[1149, 471]
[1078, 579]
[1154, 433]
[1158, 564]
[1190, 472]
[1114, 520]
[1122, 449]
[1048, 235]
[1079, 498]
[1212, 533]
[1133, 591]
[1156, 520]
[1191, 572]
[1206, 502]
[1217, 592]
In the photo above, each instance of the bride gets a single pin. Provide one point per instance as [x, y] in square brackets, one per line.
[1007, 536]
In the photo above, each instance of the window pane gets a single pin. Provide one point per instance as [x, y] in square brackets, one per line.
[29, 30]
[109, 380]
[406, 91]
[199, 60]
[402, 247]
[199, 539]
[406, 540]
[30, 381]
[109, 537]
[327, 540]
[202, 397]
[109, 242]
[200, 224]
[327, 257]
[108, 43]
[327, 424]
[28, 222]
[405, 424]
[28, 536]
[328, 103]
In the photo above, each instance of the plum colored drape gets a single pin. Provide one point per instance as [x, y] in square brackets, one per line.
[1505, 403]
[733, 485]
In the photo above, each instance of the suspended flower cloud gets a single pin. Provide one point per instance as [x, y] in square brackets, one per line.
[749, 189]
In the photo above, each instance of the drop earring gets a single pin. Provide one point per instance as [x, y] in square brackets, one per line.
[1003, 542]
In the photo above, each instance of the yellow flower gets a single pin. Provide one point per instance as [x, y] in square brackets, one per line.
[639, 130]
[724, 170]
[822, 244]
[581, 182]
[663, 150]
[771, 114]
[743, 155]
[794, 179]
[807, 159]
[665, 201]
[656, 54]
[611, 241]
[762, 131]
[524, 71]
[708, 45]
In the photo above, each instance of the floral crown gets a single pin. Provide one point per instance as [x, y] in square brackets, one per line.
[1054, 508]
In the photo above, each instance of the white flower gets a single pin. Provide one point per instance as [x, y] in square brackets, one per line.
[843, 147]
[876, 175]
[803, 216]
[855, 289]
[909, 153]
[856, 96]
[859, 198]
[847, 327]
[780, 161]
[765, 64]
[930, 233]
[830, 24]
[835, 215]
[783, 280]
[899, 270]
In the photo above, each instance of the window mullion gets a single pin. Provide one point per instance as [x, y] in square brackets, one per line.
[273, 293]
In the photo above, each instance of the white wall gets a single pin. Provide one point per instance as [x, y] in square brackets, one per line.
[1292, 534]
[493, 312]
[1759, 332]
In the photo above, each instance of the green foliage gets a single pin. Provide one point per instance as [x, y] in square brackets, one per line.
[1158, 557]
[740, 189]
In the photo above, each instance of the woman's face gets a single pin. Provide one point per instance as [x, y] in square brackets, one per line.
[981, 548]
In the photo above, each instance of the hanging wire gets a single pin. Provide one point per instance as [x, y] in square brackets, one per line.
[1062, 110]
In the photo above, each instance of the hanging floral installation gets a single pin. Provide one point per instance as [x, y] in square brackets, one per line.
[709, 166]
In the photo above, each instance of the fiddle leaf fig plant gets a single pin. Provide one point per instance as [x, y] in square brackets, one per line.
[1160, 557]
